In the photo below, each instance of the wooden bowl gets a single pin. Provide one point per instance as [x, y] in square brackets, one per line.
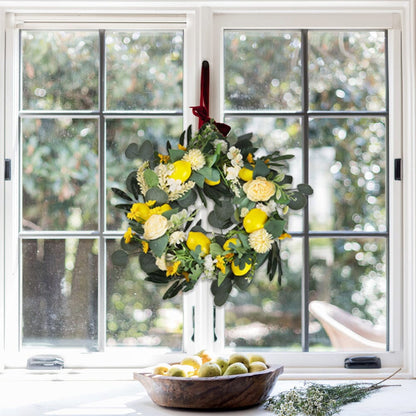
[223, 392]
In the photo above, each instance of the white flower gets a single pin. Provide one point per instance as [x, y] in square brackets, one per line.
[155, 227]
[232, 172]
[209, 266]
[195, 158]
[175, 185]
[235, 156]
[260, 241]
[176, 238]
[223, 144]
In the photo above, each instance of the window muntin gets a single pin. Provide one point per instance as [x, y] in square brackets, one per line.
[336, 83]
[85, 96]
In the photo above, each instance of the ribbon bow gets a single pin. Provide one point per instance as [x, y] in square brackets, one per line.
[202, 110]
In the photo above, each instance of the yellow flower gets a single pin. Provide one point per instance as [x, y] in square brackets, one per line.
[150, 203]
[173, 268]
[128, 235]
[160, 210]
[259, 189]
[260, 241]
[145, 246]
[220, 263]
[155, 227]
[180, 147]
[139, 212]
[284, 235]
[163, 158]
[250, 158]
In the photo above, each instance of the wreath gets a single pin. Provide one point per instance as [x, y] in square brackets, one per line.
[247, 197]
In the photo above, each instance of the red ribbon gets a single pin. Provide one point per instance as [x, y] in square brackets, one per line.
[202, 111]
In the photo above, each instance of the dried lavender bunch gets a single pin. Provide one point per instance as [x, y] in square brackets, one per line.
[320, 399]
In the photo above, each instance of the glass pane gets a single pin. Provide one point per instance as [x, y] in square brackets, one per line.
[348, 294]
[144, 70]
[348, 174]
[347, 71]
[136, 313]
[60, 292]
[59, 70]
[268, 316]
[60, 174]
[271, 134]
[122, 132]
[262, 70]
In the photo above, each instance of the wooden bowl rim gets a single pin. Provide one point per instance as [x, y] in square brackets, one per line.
[146, 373]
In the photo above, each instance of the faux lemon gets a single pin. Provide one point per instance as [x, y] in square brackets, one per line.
[226, 245]
[240, 272]
[196, 238]
[245, 174]
[182, 170]
[212, 183]
[254, 220]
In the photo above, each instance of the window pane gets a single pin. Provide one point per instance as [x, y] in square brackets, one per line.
[271, 134]
[60, 174]
[136, 313]
[144, 70]
[122, 132]
[60, 292]
[349, 275]
[262, 70]
[347, 71]
[59, 70]
[268, 316]
[348, 174]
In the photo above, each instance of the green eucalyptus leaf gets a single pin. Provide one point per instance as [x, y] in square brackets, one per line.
[260, 169]
[120, 258]
[221, 293]
[274, 227]
[159, 245]
[148, 263]
[198, 179]
[157, 278]
[215, 250]
[151, 178]
[242, 282]
[210, 174]
[158, 195]
[133, 246]
[305, 189]
[188, 199]
[146, 151]
[176, 154]
[297, 200]
[132, 151]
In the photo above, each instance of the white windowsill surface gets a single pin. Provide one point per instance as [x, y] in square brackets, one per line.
[75, 393]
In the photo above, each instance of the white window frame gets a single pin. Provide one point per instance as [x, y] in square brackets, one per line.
[398, 16]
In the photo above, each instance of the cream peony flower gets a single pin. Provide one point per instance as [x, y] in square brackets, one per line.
[155, 227]
[260, 241]
[177, 237]
[259, 189]
[195, 158]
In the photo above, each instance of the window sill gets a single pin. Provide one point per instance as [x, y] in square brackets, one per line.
[111, 392]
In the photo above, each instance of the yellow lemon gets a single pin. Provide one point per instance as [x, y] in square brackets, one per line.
[226, 245]
[195, 239]
[182, 170]
[254, 220]
[240, 272]
[212, 183]
[245, 174]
